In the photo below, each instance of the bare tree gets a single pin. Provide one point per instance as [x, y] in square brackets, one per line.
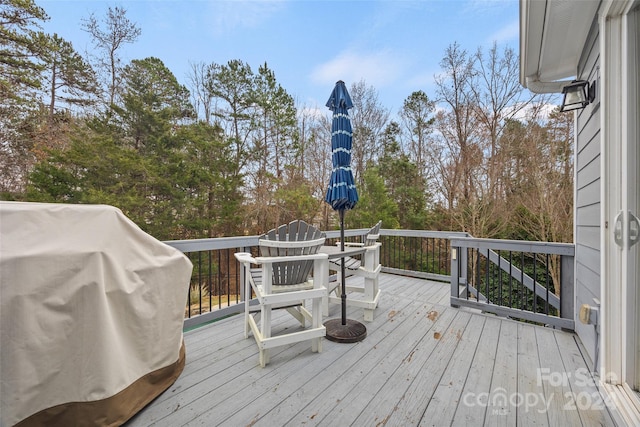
[109, 35]
[202, 97]
[478, 95]
[444, 156]
[541, 186]
[458, 125]
[498, 95]
[368, 121]
[314, 133]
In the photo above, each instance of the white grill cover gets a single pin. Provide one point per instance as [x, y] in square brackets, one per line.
[89, 304]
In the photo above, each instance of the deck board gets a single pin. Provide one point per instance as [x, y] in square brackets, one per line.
[315, 383]
[556, 387]
[422, 363]
[586, 400]
[354, 372]
[530, 409]
[383, 379]
[441, 407]
[478, 380]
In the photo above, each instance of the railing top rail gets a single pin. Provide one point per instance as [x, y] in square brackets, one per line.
[218, 243]
[424, 233]
[335, 234]
[459, 239]
[515, 245]
[214, 243]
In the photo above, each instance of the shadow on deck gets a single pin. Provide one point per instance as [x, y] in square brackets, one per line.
[422, 363]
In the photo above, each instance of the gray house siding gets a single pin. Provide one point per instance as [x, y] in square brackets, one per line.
[588, 197]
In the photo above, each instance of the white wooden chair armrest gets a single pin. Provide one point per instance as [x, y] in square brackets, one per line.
[372, 247]
[274, 259]
[352, 244]
[245, 257]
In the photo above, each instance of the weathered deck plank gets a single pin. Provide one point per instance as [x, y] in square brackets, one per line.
[423, 372]
[471, 408]
[586, 400]
[505, 379]
[422, 363]
[316, 379]
[530, 410]
[357, 377]
[441, 408]
[551, 376]
[389, 377]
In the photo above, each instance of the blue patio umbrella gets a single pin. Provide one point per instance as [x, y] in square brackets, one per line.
[342, 195]
[341, 192]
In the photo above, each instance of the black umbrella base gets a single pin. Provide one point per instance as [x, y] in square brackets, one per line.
[352, 331]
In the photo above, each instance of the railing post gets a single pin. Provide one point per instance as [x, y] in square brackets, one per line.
[463, 254]
[242, 277]
[567, 287]
[455, 274]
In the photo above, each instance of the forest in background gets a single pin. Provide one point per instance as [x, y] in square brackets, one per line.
[231, 153]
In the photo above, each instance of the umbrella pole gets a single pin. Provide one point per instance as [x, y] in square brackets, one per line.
[344, 330]
[343, 297]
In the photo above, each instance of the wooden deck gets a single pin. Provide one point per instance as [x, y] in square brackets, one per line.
[422, 363]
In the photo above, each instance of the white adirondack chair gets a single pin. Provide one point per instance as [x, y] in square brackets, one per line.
[288, 255]
[367, 266]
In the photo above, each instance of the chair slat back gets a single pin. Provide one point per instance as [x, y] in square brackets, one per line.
[295, 238]
[372, 235]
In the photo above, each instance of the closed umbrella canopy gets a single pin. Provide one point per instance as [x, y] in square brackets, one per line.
[342, 195]
[341, 192]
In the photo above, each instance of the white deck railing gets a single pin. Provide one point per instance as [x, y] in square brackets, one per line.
[487, 276]
[531, 281]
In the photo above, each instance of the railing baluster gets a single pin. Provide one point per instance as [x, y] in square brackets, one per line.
[500, 279]
[210, 279]
[535, 280]
[477, 275]
[546, 305]
[523, 302]
[510, 278]
[199, 282]
[487, 275]
[227, 281]
[189, 292]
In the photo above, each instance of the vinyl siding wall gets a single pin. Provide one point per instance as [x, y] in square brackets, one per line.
[588, 196]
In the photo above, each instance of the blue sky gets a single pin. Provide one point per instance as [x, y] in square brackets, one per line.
[393, 45]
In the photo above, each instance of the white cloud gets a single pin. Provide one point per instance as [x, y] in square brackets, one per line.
[424, 80]
[315, 112]
[484, 6]
[506, 34]
[377, 69]
[532, 111]
[226, 16]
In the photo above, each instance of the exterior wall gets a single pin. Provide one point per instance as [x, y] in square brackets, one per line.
[588, 197]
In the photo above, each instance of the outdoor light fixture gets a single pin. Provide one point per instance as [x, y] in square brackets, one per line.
[578, 94]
